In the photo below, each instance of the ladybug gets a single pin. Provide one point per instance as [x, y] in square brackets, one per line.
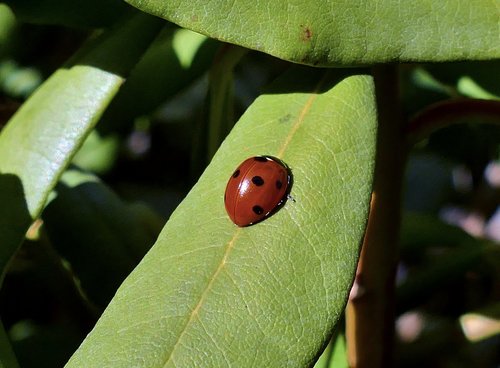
[257, 188]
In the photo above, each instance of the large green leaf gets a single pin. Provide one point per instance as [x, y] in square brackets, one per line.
[344, 32]
[40, 139]
[210, 294]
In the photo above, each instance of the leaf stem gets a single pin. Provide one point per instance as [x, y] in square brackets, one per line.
[449, 112]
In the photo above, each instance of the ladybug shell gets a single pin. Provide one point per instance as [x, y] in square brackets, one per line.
[256, 188]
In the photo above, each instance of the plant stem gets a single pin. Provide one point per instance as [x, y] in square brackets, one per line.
[446, 113]
[370, 311]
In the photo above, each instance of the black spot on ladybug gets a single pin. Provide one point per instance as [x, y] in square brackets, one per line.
[257, 180]
[257, 189]
[258, 210]
[260, 159]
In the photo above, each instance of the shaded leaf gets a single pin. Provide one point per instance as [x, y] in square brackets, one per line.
[7, 29]
[73, 13]
[39, 141]
[99, 235]
[174, 60]
[438, 276]
[7, 357]
[39, 345]
[424, 236]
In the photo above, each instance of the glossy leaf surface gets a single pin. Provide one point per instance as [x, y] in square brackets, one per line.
[210, 294]
[344, 32]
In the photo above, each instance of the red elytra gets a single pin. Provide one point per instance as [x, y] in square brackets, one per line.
[257, 188]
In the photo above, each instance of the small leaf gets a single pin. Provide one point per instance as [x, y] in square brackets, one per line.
[335, 354]
[212, 294]
[7, 29]
[97, 153]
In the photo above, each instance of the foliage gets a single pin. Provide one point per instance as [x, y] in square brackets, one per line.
[114, 116]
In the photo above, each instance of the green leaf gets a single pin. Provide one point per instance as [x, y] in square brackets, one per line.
[212, 294]
[468, 87]
[174, 60]
[483, 73]
[419, 231]
[335, 354]
[100, 236]
[39, 141]
[18, 82]
[344, 32]
[97, 153]
[7, 29]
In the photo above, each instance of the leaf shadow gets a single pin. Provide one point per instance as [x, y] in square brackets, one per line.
[98, 234]
[307, 79]
[14, 218]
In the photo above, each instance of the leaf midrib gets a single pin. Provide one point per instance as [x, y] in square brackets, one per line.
[230, 245]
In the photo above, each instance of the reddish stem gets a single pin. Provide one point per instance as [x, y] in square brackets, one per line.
[444, 113]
